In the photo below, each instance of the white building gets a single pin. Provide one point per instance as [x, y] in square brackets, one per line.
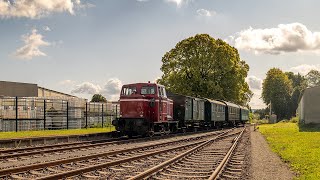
[309, 106]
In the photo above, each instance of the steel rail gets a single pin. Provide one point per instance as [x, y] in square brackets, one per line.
[223, 163]
[4, 172]
[45, 150]
[103, 165]
[175, 159]
[14, 150]
[77, 145]
[92, 144]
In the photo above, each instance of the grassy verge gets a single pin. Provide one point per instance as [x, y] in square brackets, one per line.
[299, 146]
[23, 134]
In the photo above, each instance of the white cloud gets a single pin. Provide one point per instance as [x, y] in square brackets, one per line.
[294, 37]
[86, 88]
[255, 85]
[254, 82]
[46, 28]
[178, 2]
[31, 49]
[66, 82]
[35, 8]
[256, 100]
[204, 12]
[303, 69]
[111, 90]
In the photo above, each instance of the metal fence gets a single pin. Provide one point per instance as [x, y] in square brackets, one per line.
[24, 113]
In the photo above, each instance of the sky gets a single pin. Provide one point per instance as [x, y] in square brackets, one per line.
[84, 47]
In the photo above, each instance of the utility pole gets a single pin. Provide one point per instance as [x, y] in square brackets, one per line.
[270, 109]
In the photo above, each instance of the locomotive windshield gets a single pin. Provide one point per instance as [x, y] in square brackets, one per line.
[147, 90]
[127, 91]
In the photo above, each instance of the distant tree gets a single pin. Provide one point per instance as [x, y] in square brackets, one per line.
[297, 80]
[98, 98]
[299, 84]
[277, 89]
[313, 78]
[202, 66]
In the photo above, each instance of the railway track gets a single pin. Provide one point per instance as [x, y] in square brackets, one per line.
[210, 160]
[78, 165]
[15, 154]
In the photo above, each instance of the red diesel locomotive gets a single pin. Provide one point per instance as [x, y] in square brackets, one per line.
[145, 109]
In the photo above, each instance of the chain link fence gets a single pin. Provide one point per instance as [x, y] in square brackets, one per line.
[25, 114]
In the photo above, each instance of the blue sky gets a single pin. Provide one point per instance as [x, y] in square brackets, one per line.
[88, 46]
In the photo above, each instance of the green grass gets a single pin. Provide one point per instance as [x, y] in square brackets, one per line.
[298, 146]
[23, 134]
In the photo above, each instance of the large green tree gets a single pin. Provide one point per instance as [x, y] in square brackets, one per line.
[98, 98]
[313, 78]
[202, 66]
[277, 89]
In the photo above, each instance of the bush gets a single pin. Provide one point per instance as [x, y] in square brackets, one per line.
[294, 119]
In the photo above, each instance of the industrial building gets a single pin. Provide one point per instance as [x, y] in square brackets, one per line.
[25, 106]
[18, 89]
[309, 106]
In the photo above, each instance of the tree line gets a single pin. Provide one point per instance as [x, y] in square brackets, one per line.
[283, 90]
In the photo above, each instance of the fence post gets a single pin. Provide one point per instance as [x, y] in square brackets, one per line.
[102, 116]
[86, 115]
[44, 114]
[16, 114]
[67, 114]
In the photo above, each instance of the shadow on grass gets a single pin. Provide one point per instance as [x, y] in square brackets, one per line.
[309, 127]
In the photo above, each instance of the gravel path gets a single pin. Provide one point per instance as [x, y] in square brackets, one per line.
[265, 164]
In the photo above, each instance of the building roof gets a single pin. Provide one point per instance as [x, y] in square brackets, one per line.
[57, 92]
[216, 102]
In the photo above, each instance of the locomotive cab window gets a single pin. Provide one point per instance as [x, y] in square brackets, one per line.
[127, 91]
[162, 91]
[147, 90]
